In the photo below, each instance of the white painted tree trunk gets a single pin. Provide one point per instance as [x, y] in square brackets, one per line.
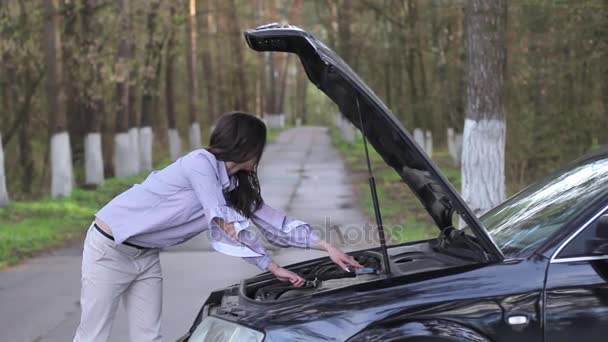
[458, 149]
[62, 178]
[175, 144]
[93, 159]
[134, 166]
[454, 146]
[195, 136]
[4, 199]
[146, 139]
[428, 145]
[419, 138]
[483, 164]
[122, 154]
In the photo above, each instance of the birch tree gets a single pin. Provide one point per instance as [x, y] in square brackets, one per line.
[122, 150]
[61, 156]
[4, 199]
[92, 98]
[239, 81]
[195, 129]
[151, 76]
[134, 119]
[483, 156]
[175, 142]
[207, 59]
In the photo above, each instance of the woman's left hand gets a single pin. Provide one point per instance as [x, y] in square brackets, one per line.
[340, 258]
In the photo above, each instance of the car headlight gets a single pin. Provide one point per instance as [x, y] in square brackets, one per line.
[213, 329]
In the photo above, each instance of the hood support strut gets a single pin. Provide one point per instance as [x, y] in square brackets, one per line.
[372, 186]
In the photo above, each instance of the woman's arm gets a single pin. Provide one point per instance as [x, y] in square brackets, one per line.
[285, 231]
[265, 261]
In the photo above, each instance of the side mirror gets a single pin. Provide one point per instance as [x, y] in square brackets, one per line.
[599, 244]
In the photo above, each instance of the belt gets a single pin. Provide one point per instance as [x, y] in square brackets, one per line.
[112, 238]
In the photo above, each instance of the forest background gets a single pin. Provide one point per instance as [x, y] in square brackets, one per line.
[134, 83]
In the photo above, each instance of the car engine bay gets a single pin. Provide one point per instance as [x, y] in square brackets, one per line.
[324, 275]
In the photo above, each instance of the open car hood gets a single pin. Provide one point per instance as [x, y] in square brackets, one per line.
[340, 83]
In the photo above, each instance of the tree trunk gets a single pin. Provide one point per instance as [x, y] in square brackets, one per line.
[26, 155]
[271, 96]
[301, 90]
[483, 159]
[195, 130]
[122, 148]
[175, 142]
[344, 30]
[149, 100]
[221, 96]
[61, 158]
[4, 199]
[284, 86]
[261, 59]
[92, 99]
[237, 48]
[212, 112]
[134, 166]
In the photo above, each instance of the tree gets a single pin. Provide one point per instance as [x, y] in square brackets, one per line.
[151, 76]
[132, 112]
[22, 73]
[195, 129]
[61, 155]
[207, 57]
[4, 199]
[239, 82]
[483, 161]
[122, 150]
[175, 143]
[92, 100]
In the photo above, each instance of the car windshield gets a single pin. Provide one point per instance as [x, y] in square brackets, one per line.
[524, 221]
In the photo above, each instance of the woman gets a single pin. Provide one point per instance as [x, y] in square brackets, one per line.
[214, 190]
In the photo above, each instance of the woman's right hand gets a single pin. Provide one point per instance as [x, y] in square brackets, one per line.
[285, 275]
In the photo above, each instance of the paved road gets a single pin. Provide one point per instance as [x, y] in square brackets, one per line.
[301, 173]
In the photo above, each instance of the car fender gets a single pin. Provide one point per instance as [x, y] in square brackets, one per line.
[419, 330]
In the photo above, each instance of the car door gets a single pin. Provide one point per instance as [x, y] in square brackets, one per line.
[576, 292]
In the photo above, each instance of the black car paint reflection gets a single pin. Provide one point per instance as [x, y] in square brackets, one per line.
[474, 298]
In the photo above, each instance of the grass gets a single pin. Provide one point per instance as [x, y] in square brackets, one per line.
[272, 134]
[29, 227]
[404, 218]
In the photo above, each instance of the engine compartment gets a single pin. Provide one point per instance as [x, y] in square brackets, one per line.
[324, 275]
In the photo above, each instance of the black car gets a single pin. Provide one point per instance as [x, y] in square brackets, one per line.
[535, 268]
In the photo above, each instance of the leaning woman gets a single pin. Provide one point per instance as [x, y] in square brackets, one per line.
[213, 190]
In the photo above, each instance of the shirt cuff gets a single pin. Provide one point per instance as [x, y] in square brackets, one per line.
[313, 240]
[261, 262]
[226, 213]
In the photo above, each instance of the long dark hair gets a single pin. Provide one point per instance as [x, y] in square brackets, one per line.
[238, 137]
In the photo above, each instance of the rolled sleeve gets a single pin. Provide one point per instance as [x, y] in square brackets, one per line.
[284, 231]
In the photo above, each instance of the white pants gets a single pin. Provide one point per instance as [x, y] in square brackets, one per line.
[110, 272]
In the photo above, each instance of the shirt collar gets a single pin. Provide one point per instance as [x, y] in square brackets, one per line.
[228, 182]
